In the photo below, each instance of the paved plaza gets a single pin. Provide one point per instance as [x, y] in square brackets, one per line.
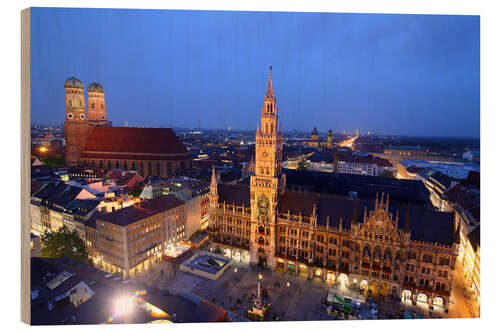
[292, 297]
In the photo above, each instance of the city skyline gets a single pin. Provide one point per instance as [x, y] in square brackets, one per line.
[433, 92]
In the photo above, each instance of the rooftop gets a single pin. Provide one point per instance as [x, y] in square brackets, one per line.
[120, 141]
[141, 210]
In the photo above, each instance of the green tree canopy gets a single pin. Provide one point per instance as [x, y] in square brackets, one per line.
[64, 243]
[302, 165]
[136, 192]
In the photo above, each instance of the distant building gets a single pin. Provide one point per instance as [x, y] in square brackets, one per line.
[395, 154]
[437, 183]
[472, 155]
[456, 170]
[349, 163]
[58, 204]
[315, 141]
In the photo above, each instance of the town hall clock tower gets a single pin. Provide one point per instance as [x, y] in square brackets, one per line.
[267, 184]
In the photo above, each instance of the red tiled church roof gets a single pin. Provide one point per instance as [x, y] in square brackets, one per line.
[123, 140]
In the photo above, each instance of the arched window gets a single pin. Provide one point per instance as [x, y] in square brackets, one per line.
[125, 165]
[109, 164]
[80, 102]
[92, 105]
[117, 165]
[158, 169]
[69, 103]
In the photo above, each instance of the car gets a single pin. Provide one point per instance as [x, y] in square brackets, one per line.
[108, 275]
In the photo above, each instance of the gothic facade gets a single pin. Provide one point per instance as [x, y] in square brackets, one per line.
[371, 245]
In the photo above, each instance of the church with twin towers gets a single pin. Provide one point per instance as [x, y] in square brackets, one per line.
[375, 234]
[91, 140]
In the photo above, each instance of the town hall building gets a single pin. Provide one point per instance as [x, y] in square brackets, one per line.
[336, 227]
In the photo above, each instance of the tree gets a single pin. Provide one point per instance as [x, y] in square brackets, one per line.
[302, 165]
[136, 192]
[64, 243]
[54, 160]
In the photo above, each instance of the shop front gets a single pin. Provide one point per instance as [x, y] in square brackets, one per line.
[291, 267]
[422, 298]
[280, 265]
[406, 296]
[303, 270]
[438, 302]
[330, 277]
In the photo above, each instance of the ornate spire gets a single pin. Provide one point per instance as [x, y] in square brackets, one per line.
[214, 178]
[270, 90]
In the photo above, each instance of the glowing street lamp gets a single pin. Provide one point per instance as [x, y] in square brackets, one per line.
[288, 284]
[260, 277]
[43, 149]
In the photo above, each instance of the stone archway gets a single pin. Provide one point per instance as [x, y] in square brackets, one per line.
[343, 280]
[384, 289]
[261, 254]
[373, 288]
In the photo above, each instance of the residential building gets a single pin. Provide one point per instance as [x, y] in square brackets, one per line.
[129, 240]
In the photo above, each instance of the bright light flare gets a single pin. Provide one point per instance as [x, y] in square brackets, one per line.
[43, 149]
[124, 305]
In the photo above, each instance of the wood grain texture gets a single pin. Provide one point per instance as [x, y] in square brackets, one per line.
[25, 166]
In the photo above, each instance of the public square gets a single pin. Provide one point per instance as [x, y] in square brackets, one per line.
[292, 297]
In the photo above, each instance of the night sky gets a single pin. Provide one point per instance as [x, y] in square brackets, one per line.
[390, 74]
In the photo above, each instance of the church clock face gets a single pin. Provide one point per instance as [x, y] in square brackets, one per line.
[263, 205]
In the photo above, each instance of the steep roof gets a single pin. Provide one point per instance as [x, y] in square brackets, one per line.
[141, 210]
[366, 187]
[121, 141]
[425, 224]
[237, 194]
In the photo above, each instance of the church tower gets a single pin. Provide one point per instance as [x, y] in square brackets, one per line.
[76, 127]
[267, 184]
[96, 104]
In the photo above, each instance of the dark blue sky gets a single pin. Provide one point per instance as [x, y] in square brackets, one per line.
[395, 74]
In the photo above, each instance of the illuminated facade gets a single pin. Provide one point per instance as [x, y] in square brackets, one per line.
[94, 142]
[130, 240]
[471, 263]
[315, 142]
[362, 244]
